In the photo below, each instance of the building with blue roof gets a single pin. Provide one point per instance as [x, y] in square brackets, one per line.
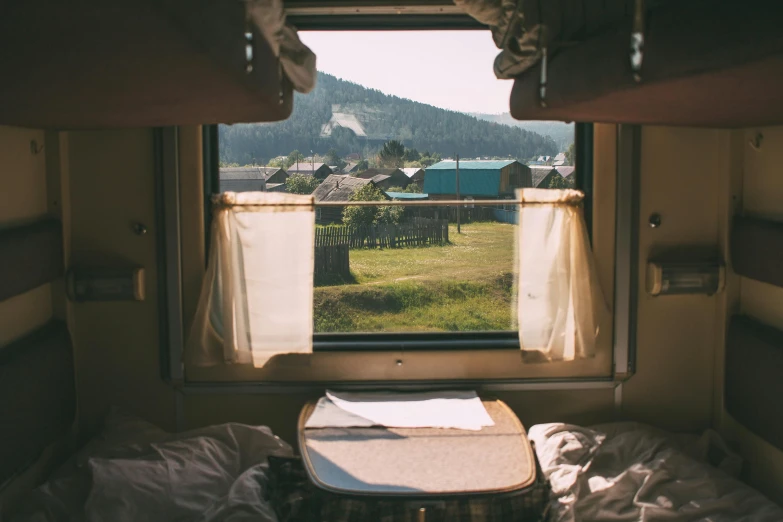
[477, 179]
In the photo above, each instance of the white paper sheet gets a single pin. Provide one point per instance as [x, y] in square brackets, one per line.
[452, 409]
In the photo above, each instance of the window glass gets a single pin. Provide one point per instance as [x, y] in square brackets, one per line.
[418, 118]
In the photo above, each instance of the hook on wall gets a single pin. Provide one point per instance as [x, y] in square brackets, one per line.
[35, 149]
[756, 142]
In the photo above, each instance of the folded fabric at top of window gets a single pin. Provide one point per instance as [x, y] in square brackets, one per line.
[559, 300]
[527, 30]
[257, 295]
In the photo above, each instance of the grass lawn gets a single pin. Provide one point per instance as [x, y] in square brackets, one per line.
[466, 285]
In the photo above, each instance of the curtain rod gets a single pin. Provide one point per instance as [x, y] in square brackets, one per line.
[426, 203]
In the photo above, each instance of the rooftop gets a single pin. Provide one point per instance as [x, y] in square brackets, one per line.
[469, 165]
[538, 173]
[565, 171]
[411, 171]
[337, 187]
[369, 173]
[407, 195]
[305, 168]
[247, 172]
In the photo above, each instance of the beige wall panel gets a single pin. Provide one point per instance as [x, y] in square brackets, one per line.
[762, 195]
[278, 411]
[763, 463]
[191, 174]
[116, 343]
[23, 197]
[23, 313]
[604, 194]
[22, 200]
[762, 190]
[676, 336]
[583, 407]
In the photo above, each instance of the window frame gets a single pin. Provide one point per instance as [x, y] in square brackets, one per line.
[618, 200]
[412, 341]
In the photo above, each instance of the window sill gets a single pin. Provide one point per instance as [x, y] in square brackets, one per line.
[400, 366]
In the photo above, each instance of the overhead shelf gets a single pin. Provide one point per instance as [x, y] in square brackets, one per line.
[97, 64]
[711, 64]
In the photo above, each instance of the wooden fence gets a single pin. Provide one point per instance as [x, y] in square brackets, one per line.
[467, 214]
[416, 232]
[332, 260]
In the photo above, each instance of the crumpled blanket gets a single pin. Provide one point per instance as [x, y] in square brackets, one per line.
[632, 472]
[134, 471]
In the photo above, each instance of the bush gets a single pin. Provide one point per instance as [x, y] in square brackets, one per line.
[360, 216]
[301, 184]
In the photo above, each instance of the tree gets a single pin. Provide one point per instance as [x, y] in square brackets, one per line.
[360, 216]
[301, 184]
[413, 188]
[362, 165]
[412, 155]
[333, 158]
[294, 157]
[279, 163]
[418, 125]
[559, 182]
[427, 159]
[392, 154]
[569, 154]
[389, 215]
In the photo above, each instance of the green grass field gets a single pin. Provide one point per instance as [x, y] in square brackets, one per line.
[466, 285]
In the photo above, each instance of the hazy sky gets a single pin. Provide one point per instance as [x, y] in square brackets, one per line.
[449, 69]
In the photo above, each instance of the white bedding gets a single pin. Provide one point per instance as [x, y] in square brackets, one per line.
[631, 472]
[136, 472]
[618, 472]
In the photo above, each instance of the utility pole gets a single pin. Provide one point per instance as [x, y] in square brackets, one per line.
[459, 207]
[312, 162]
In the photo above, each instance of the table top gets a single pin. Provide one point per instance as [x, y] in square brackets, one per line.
[420, 461]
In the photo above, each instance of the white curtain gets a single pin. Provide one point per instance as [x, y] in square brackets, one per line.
[558, 296]
[257, 296]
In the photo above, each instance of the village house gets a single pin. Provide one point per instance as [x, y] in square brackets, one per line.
[350, 167]
[386, 178]
[249, 179]
[560, 160]
[542, 176]
[538, 173]
[336, 187]
[319, 170]
[477, 179]
[415, 175]
[275, 187]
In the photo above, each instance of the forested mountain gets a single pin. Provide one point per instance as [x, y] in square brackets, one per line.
[379, 117]
[562, 133]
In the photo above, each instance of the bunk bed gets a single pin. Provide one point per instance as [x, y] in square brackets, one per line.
[704, 65]
[621, 471]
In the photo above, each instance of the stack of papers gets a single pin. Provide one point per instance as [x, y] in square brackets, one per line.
[454, 409]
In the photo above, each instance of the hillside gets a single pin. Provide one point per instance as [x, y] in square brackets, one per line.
[562, 133]
[352, 118]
